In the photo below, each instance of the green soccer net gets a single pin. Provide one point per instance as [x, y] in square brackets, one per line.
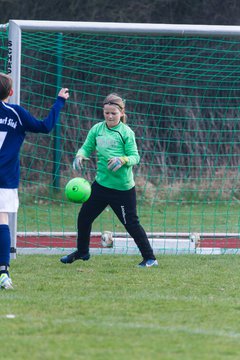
[182, 100]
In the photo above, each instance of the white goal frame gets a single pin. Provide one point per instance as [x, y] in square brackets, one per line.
[14, 53]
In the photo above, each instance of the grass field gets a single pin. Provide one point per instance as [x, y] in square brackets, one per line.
[203, 217]
[108, 308]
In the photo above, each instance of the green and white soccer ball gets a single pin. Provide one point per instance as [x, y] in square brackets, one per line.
[78, 190]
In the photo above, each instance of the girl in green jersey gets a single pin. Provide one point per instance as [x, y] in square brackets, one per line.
[114, 184]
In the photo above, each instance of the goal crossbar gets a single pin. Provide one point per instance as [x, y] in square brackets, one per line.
[137, 28]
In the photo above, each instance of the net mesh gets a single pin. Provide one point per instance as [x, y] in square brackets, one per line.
[182, 100]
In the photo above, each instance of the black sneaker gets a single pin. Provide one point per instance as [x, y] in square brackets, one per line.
[69, 259]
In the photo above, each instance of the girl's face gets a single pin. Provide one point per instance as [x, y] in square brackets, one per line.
[112, 115]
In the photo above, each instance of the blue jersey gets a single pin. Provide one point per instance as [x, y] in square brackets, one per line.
[15, 121]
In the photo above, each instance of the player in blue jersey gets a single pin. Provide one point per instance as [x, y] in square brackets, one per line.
[15, 122]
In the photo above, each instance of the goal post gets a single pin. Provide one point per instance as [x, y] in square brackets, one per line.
[181, 84]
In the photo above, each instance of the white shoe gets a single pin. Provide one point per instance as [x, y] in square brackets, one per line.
[5, 282]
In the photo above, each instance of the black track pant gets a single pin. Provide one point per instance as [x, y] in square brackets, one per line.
[123, 204]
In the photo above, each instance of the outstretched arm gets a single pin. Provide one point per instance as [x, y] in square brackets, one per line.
[43, 126]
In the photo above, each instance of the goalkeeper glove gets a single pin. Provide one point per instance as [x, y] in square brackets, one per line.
[78, 162]
[117, 162]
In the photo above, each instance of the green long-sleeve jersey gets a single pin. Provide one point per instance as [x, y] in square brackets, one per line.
[112, 142]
